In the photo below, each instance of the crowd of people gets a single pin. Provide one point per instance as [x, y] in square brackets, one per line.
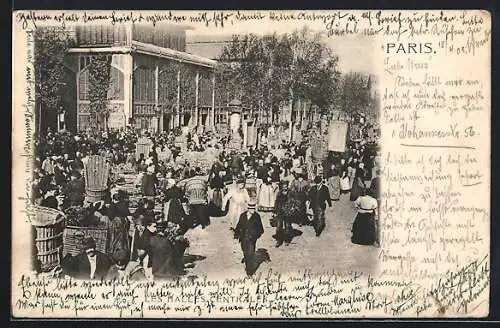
[283, 180]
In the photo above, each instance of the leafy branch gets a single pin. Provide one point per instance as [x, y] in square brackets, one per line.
[99, 84]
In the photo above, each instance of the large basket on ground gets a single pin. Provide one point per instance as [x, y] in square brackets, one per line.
[96, 178]
[49, 225]
[143, 146]
[251, 186]
[73, 237]
[195, 190]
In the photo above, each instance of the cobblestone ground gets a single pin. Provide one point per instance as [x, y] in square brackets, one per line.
[219, 255]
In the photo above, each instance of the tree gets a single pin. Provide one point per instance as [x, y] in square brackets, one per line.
[99, 84]
[51, 44]
[355, 92]
[275, 70]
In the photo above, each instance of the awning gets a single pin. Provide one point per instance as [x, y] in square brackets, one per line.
[151, 50]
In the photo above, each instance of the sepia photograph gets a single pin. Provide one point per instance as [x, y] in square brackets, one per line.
[161, 152]
[270, 164]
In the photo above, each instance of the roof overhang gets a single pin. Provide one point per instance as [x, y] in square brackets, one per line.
[151, 50]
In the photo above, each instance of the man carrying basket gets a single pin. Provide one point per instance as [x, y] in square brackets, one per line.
[196, 191]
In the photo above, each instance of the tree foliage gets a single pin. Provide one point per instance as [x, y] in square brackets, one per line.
[51, 44]
[355, 92]
[99, 84]
[267, 72]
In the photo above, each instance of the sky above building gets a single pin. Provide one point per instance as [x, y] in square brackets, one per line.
[355, 52]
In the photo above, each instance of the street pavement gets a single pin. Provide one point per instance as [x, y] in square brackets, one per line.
[219, 255]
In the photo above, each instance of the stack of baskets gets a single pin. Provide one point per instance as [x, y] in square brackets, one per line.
[49, 225]
[196, 191]
[96, 178]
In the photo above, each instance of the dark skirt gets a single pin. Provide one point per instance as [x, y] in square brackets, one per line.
[356, 191]
[217, 198]
[363, 229]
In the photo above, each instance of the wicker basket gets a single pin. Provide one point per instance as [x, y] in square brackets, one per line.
[251, 186]
[73, 239]
[96, 178]
[196, 191]
[49, 224]
[93, 196]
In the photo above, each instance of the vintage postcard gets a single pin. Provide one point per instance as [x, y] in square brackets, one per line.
[251, 164]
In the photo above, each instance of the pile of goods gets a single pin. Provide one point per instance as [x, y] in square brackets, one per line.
[203, 160]
[122, 168]
[174, 234]
[80, 216]
[293, 210]
[80, 224]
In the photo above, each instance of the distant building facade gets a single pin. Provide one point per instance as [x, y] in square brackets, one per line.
[211, 46]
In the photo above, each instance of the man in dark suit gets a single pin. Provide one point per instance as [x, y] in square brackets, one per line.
[318, 197]
[283, 224]
[167, 255]
[248, 230]
[145, 229]
[89, 264]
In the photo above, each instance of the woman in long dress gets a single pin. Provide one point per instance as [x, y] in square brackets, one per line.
[266, 195]
[119, 224]
[238, 199]
[351, 170]
[333, 183]
[358, 185]
[217, 187]
[345, 186]
[364, 226]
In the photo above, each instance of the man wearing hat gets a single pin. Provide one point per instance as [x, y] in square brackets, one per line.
[196, 191]
[299, 187]
[173, 209]
[248, 230]
[283, 225]
[319, 196]
[90, 263]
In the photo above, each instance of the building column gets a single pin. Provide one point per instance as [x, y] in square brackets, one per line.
[212, 114]
[178, 103]
[159, 125]
[196, 99]
[245, 133]
[128, 70]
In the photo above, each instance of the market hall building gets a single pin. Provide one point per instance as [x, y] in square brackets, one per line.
[155, 85]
